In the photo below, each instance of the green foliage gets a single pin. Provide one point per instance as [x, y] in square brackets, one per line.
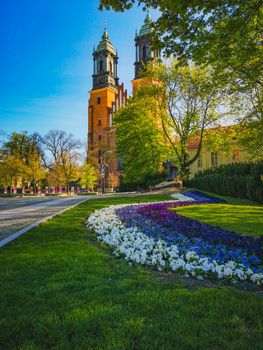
[243, 180]
[189, 101]
[226, 34]
[63, 160]
[220, 139]
[60, 289]
[251, 138]
[21, 160]
[88, 175]
[142, 184]
[11, 170]
[140, 141]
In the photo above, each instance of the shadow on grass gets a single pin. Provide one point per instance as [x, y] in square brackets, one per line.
[60, 291]
[245, 219]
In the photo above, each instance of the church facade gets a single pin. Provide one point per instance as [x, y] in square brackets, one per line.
[106, 97]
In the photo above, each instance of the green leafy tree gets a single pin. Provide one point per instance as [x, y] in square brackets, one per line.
[11, 171]
[250, 136]
[34, 171]
[24, 151]
[226, 34]
[141, 144]
[189, 101]
[221, 138]
[64, 171]
[88, 175]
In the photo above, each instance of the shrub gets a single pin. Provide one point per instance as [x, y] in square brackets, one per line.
[87, 193]
[147, 181]
[242, 180]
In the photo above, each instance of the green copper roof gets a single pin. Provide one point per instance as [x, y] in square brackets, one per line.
[105, 43]
[146, 28]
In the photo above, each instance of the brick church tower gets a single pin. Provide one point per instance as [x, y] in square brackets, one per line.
[106, 97]
[143, 51]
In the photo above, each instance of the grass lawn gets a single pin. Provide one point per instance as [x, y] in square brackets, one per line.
[60, 289]
[238, 215]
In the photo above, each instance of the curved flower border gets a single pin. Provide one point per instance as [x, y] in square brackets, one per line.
[138, 247]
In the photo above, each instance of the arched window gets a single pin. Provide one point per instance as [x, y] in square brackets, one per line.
[144, 52]
[111, 67]
[101, 66]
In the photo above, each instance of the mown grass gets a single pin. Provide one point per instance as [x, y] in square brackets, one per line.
[60, 289]
[241, 216]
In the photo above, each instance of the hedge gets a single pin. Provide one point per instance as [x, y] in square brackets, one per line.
[144, 184]
[242, 180]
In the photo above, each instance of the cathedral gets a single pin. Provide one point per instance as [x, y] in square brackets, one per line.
[106, 97]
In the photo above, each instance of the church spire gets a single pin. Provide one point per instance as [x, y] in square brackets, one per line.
[105, 63]
[144, 52]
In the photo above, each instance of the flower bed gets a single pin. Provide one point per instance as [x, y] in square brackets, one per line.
[152, 234]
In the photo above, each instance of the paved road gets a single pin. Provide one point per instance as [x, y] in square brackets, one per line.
[16, 213]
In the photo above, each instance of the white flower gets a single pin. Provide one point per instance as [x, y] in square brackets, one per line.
[136, 246]
[179, 197]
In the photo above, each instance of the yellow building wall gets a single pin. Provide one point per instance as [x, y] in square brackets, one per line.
[235, 155]
[136, 84]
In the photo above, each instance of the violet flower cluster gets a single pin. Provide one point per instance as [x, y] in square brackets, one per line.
[157, 221]
[151, 234]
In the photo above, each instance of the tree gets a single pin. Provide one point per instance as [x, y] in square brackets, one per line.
[221, 138]
[24, 151]
[64, 170]
[63, 157]
[189, 101]
[59, 144]
[226, 34]
[88, 175]
[250, 136]
[34, 171]
[140, 140]
[11, 170]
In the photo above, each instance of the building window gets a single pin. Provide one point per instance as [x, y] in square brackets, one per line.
[100, 66]
[98, 100]
[199, 162]
[99, 137]
[110, 67]
[236, 156]
[214, 159]
[99, 122]
[99, 156]
[144, 52]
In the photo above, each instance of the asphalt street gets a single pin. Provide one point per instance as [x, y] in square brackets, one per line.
[17, 213]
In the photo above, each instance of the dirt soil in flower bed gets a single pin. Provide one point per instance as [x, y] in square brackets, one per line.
[193, 283]
[188, 282]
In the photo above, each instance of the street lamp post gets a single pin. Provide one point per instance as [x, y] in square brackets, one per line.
[102, 177]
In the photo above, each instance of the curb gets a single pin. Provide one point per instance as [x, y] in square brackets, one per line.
[15, 235]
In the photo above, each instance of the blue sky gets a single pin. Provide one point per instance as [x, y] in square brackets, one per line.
[46, 60]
